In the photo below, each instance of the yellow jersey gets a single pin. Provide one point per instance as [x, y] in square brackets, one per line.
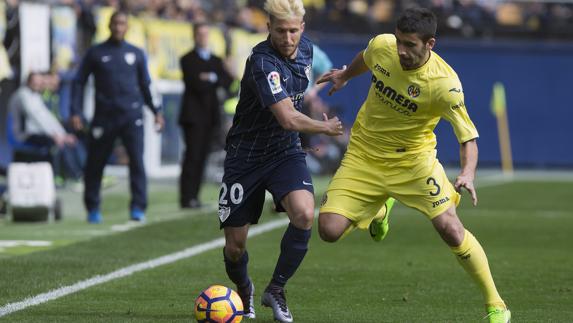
[404, 106]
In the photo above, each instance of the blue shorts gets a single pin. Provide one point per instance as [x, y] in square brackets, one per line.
[242, 192]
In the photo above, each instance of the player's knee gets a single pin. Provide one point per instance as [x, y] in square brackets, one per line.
[450, 227]
[234, 252]
[327, 231]
[328, 236]
[303, 219]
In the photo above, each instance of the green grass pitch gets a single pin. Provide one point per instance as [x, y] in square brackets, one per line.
[524, 226]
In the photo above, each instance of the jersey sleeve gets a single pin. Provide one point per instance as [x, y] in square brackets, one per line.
[266, 81]
[79, 81]
[453, 109]
[377, 46]
[145, 82]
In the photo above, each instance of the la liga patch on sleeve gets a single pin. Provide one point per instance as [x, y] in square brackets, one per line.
[274, 80]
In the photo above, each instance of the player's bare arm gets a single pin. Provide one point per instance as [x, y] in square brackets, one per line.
[468, 159]
[339, 77]
[290, 119]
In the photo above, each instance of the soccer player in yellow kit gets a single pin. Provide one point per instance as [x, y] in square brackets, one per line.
[392, 153]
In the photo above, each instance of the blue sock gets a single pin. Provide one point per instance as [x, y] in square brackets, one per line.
[237, 271]
[294, 246]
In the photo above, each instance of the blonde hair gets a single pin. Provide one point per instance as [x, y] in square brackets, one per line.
[285, 9]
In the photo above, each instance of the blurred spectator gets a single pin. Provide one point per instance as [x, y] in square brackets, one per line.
[57, 96]
[323, 152]
[12, 36]
[121, 88]
[32, 125]
[86, 24]
[200, 115]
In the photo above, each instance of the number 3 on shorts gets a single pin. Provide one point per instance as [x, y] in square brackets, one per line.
[235, 194]
[432, 181]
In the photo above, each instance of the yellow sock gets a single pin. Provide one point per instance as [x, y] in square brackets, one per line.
[381, 213]
[471, 256]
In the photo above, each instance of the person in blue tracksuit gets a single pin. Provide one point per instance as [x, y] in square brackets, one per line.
[121, 89]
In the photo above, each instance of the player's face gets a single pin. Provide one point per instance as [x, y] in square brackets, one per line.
[412, 50]
[285, 35]
[118, 27]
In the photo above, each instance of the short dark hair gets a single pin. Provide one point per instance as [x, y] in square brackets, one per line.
[418, 20]
[118, 13]
[198, 25]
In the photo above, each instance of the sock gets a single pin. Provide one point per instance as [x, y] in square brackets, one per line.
[471, 256]
[237, 271]
[380, 214]
[293, 249]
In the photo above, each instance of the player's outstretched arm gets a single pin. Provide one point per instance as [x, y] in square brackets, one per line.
[468, 159]
[291, 119]
[339, 77]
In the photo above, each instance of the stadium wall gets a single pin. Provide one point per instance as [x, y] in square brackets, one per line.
[537, 78]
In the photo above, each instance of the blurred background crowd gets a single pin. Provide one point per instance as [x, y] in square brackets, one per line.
[163, 29]
[464, 18]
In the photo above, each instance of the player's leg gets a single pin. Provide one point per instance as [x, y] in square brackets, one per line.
[299, 206]
[240, 204]
[291, 186]
[354, 196]
[473, 259]
[423, 185]
[333, 226]
[380, 225]
[236, 260]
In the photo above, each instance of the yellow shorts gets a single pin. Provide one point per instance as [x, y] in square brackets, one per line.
[362, 185]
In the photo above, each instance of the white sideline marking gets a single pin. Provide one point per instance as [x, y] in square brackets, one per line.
[5, 244]
[126, 226]
[27, 243]
[126, 271]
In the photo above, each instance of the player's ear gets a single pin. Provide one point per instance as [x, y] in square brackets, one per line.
[430, 43]
[302, 24]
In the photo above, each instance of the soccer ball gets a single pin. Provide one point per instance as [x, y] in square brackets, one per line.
[218, 304]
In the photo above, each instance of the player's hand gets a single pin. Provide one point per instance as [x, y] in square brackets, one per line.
[467, 182]
[336, 77]
[159, 122]
[77, 123]
[334, 126]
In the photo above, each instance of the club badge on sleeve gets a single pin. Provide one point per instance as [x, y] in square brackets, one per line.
[274, 80]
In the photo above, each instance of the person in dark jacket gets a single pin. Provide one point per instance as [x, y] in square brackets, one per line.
[200, 117]
[121, 89]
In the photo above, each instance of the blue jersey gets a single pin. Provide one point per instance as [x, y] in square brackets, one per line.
[121, 80]
[256, 135]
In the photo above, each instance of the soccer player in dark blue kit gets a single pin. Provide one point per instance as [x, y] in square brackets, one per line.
[264, 153]
[121, 88]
